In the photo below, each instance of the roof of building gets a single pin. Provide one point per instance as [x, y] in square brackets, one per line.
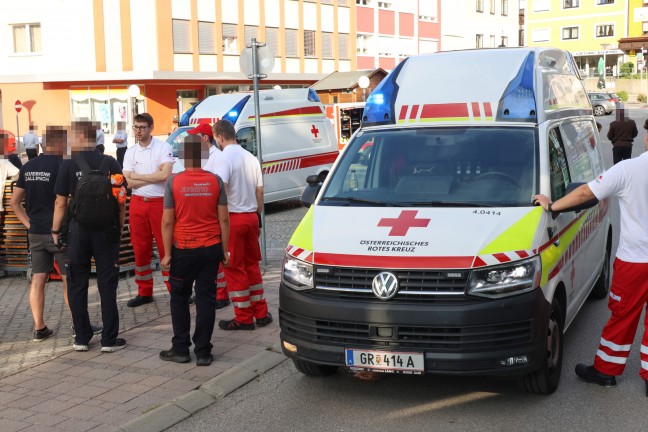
[345, 80]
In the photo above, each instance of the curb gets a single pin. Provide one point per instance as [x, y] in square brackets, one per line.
[169, 414]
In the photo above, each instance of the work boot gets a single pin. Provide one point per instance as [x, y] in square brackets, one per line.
[591, 375]
[139, 301]
[172, 356]
[262, 322]
[221, 304]
[234, 325]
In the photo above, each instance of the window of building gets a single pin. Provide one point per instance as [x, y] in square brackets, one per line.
[605, 30]
[570, 33]
[291, 43]
[327, 45]
[479, 5]
[363, 43]
[504, 7]
[309, 43]
[492, 41]
[251, 32]
[230, 45]
[479, 42]
[568, 4]
[26, 38]
[644, 27]
[604, 2]
[181, 37]
[504, 41]
[206, 37]
[272, 39]
[362, 2]
[540, 35]
[342, 2]
[343, 45]
[384, 5]
[327, 1]
[541, 5]
[492, 7]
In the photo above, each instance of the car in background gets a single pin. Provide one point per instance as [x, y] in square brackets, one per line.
[603, 103]
[177, 137]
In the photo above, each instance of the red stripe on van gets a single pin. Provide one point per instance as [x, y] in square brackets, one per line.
[415, 109]
[271, 167]
[487, 109]
[522, 254]
[392, 262]
[444, 110]
[475, 108]
[403, 113]
[502, 257]
[479, 262]
[293, 111]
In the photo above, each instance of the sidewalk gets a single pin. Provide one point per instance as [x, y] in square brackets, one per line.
[48, 386]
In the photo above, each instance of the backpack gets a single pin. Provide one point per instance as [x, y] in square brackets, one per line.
[94, 206]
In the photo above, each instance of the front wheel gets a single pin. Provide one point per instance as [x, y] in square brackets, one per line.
[314, 369]
[599, 110]
[546, 379]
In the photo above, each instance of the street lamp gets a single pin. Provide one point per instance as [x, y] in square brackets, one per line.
[604, 47]
[133, 93]
[363, 83]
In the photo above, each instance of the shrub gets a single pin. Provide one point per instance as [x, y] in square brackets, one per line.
[641, 98]
[623, 95]
[626, 69]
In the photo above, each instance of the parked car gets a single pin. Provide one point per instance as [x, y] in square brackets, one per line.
[603, 103]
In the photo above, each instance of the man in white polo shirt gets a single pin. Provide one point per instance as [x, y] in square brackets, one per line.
[627, 180]
[147, 165]
[244, 184]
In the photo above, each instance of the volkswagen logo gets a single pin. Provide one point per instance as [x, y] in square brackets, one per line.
[385, 285]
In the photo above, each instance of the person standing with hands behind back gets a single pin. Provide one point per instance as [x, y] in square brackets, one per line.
[195, 229]
[622, 132]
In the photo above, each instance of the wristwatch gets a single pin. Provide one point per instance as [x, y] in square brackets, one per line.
[56, 231]
[549, 207]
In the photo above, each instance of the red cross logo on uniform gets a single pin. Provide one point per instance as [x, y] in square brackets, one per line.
[314, 131]
[405, 221]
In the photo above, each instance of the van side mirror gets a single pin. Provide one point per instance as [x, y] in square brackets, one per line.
[584, 206]
[310, 192]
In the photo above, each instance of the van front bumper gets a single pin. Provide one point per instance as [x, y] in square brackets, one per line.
[467, 336]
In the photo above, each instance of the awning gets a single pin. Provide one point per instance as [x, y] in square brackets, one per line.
[634, 43]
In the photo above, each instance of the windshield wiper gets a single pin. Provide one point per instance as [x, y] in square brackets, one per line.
[361, 201]
[448, 204]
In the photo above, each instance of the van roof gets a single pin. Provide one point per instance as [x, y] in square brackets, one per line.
[480, 87]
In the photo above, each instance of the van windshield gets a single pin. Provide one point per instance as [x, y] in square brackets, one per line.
[476, 166]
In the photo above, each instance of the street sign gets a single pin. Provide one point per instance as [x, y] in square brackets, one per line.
[265, 61]
[18, 106]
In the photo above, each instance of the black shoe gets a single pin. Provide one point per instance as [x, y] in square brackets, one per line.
[119, 344]
[591, 375]
[204, 361]
[221, 304]
[172, 356]
[42, 334]
[234, 325]
[139, 301]
[96, 329]
[262, 322]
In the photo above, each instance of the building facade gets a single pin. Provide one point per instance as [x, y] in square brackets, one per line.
[470, 24]
[589, 29]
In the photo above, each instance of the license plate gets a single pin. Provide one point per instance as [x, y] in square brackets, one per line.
[385, 361]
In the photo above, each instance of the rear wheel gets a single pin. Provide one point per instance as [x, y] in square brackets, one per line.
[314, 369]
[546, 379]
[599, 110]
[602, 285]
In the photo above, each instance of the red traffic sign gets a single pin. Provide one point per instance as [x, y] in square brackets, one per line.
[18, 105]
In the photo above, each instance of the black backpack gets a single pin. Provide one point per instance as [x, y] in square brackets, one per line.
[94, 206]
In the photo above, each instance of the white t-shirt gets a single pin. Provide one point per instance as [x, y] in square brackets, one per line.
[121, 134]
[147, 160]
[627, 180]
[7, 170]
[243, 179]
[218, 164]
[30, 140]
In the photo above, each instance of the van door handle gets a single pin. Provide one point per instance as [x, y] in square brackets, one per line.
[551, 231]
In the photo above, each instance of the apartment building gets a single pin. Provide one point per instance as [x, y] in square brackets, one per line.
[589, 29]
[77, 58]
[636, 41]
[470, 24]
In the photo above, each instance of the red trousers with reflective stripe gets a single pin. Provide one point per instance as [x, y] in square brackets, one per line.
[628, 297]
[243, 274]
[145, 224]
[221, 285]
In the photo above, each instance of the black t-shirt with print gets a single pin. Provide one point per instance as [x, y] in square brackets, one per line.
[70, 171]
[38, 177]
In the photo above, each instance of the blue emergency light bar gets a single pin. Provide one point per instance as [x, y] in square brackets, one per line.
[518, 102]
[379, 108]
[233, 113]
[313, 96]
[184, 119]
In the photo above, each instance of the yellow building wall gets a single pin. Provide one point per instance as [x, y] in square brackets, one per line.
[42, 106]
[635, 29]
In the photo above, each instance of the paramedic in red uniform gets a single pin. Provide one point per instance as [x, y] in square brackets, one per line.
[626, 180]
[147, 165]
[217, 165]
[244, 184]
[195, 228]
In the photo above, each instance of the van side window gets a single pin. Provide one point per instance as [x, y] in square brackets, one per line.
[558, 161]
[246, 137]
[580, 146]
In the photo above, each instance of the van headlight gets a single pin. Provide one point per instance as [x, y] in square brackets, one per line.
[297, 274]
[505, 280]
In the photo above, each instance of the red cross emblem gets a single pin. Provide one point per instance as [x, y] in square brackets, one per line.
[405, 221]
[314, 131]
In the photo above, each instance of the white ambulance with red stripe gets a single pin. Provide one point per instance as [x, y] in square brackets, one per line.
[296, 137]
[422, 251]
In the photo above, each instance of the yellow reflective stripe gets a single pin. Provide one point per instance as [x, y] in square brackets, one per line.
[518, 236]
[553, 254]
[303, 235]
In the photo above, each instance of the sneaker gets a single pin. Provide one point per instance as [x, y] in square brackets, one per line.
[262, 322]
[119, 344]
[221, 304]
[172, 356]
[234, 325]
[80, 347]
[591, 375]
[42, 334]
[96, 329]
[139, 301]
[204, 361]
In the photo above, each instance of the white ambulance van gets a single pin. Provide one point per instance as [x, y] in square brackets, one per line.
[296, 137]
[422, 251]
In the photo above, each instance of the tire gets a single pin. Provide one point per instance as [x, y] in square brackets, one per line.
[599, 110]
[546, 379]
[602, 286]
[314, 369]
